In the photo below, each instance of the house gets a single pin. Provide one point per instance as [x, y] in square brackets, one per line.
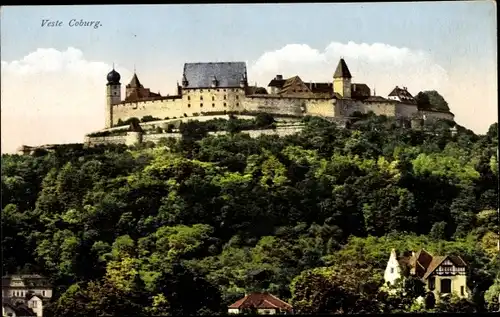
[442, 274]
[261, 303]
[12, 310]
[22, 293]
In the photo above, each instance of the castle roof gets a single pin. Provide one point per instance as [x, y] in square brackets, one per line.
[403, 94]
[261, 301]
[423, 264]
[228, 74]
[359, 91]
[113, 77]
[134, 82]
[342, 70]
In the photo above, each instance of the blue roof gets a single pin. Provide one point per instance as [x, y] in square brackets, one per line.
[228, 74]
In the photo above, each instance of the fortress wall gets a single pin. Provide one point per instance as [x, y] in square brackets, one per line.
[349, 106]
[321, 107]
[380, 108]
[121, 139]
[156, 108]
[406, 110]
[275, 105]
[134, 138]
[433, 115]
[156, 137]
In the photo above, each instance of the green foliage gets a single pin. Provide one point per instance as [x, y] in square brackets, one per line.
[189, 226]
[431, 100]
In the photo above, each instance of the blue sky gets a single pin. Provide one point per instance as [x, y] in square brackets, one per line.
[457, 37]
[133, 33]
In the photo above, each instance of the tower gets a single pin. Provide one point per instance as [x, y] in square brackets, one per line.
[342, 80]
[113, 95]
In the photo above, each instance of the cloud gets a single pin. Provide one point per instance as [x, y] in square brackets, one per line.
[52, 96]
[382, 67]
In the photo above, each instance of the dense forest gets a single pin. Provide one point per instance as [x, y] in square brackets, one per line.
[190, 226]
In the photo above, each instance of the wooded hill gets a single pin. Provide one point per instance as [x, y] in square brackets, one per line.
[189, 226]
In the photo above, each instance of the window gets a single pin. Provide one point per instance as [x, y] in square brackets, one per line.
[213, 105]
[189, 97]
[213, 98]
[201, 97]
[462, 290]
[237, 97]
[33, 304]
[432, 283]
[189, 105]
[224, 104]
[43, 293]
[115, 93]
[217, 89]
[237, 104]
[201, 90]
[392, 270]
[201, 105]
[445, 286]
[224, 96]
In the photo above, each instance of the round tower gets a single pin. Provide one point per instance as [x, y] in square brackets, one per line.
[113, 95]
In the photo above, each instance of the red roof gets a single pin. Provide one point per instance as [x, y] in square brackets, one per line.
[262, 301]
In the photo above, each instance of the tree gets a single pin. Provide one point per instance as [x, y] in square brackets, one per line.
[431, 99]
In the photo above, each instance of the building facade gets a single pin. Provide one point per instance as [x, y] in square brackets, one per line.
[209, 88]
[442, 275]
[25, 293]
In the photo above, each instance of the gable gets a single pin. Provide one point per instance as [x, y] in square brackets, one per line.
[294, 85]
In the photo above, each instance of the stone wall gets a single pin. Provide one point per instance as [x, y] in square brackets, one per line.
[162, 108]
[105, 140]
[406, 110]
[133, 137]
[434, 115]
[289, 105]
[192, 101]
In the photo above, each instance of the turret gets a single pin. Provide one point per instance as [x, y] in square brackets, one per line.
[243, 81]
[113, 95]
[185, 82]
[342, 80]
[215, 82]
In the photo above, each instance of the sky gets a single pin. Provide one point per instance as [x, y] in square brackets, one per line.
[53, 78]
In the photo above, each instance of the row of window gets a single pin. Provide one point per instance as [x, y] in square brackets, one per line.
[445, 286]
[23, 293]
[213, 97]
[213, 105]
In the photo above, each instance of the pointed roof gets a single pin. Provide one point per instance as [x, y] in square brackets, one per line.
[134, 83]
[342, 70]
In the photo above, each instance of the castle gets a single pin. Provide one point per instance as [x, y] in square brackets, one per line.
[219, 88]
